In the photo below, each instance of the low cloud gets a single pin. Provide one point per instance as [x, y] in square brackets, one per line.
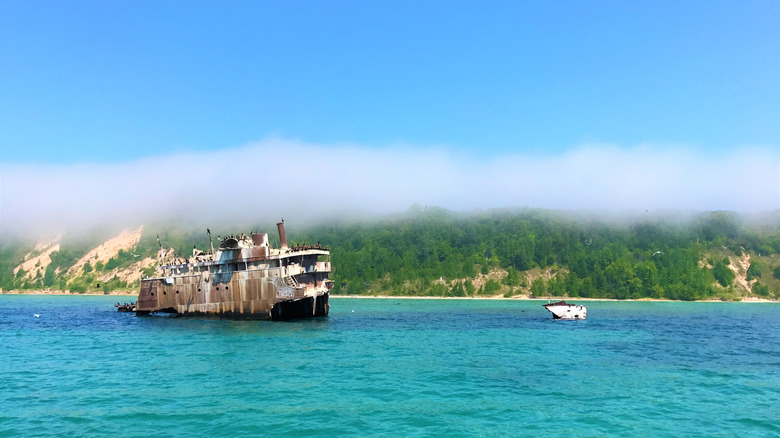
[279, 177]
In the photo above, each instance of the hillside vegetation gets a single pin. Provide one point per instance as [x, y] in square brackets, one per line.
[543, 253]
[434, 252]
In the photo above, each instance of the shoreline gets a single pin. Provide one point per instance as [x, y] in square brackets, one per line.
[388, 297]
[63, 292]
[527, 298]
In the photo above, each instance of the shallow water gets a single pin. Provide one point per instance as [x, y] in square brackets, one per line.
[392, 368]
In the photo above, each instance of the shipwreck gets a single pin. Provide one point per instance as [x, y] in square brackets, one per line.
[244, 278]
[564, 310]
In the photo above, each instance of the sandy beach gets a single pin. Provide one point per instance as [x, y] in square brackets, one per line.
[65, 292]
[385, 297]
[527, 298]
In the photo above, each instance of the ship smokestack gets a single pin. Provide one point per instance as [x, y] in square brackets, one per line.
[282, 235]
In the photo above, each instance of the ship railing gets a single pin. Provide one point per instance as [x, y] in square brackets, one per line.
[296, 269]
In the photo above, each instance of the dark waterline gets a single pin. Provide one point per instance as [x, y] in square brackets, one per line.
[379, 367]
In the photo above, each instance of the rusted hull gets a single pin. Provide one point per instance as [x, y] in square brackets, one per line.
[304, 308]
[240, 294]
[246, 278]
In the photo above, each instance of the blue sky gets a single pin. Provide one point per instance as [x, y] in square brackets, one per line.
[120, 110]
[110, 81]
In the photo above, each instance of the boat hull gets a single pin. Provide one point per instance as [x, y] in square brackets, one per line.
[246, 294]
[562, 310]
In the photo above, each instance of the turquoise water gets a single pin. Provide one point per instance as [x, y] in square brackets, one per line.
[392, 368]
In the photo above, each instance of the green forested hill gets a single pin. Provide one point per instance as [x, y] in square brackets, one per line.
[543, 253]
[439, 253]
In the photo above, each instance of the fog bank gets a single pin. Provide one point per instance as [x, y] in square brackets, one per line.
[286, 178]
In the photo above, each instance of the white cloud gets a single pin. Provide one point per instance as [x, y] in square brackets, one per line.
[278, 177]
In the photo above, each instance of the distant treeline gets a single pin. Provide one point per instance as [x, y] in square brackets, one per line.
[440, 253]
[590, 258]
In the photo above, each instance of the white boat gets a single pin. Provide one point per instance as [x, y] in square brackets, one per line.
[563, 310]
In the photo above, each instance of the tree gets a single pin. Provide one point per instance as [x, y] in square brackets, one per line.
[754, 271]
[648, 274]
[111, 264]
[491, 287]
[512, 278]
[619, 276]
[723, 274]
[588, 290]
[538, 287]
[48, 277]
[458, 290]
[557, 286]
[761, 289]
[470, 289]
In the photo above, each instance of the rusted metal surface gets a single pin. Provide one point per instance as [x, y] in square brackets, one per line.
[260, 239]
[282, 235]
[244, 278]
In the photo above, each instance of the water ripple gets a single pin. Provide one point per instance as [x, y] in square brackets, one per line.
[392, 368]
